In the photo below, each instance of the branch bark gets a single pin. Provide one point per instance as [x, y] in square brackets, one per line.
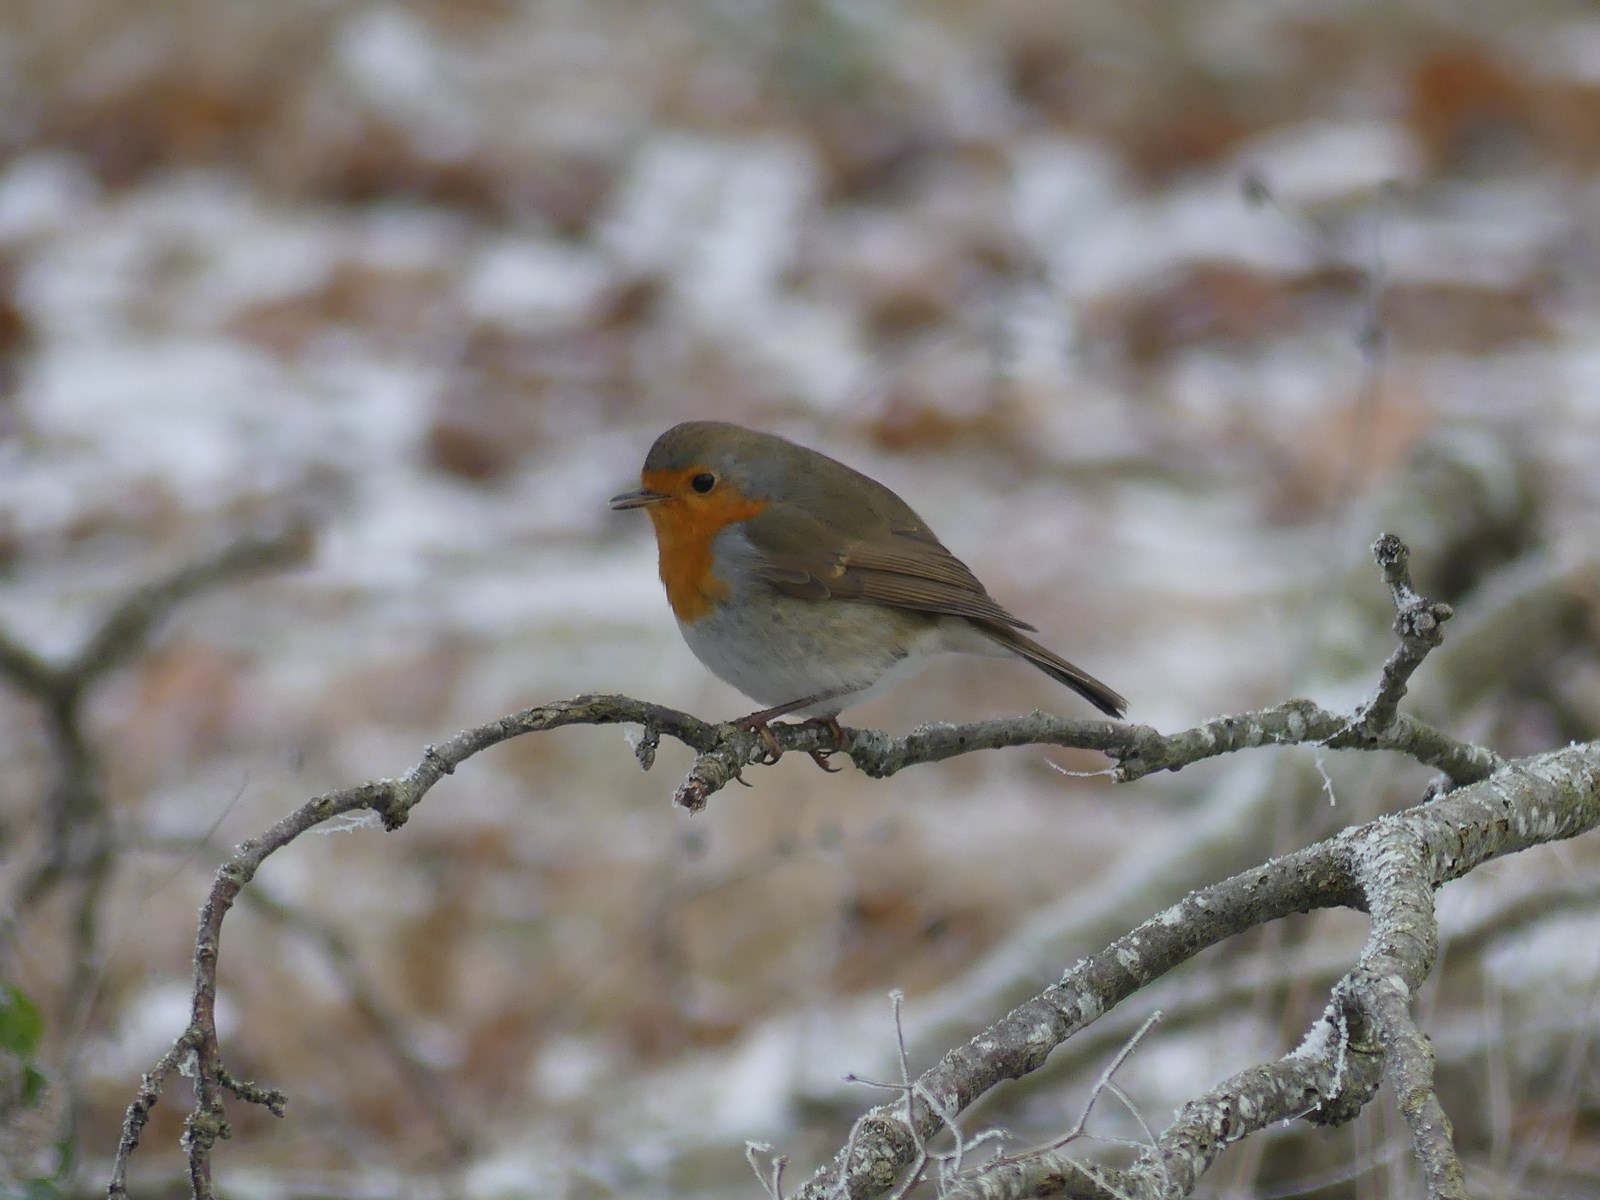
[1389, 868]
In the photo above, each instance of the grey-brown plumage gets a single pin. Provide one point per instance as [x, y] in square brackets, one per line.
[803, 527]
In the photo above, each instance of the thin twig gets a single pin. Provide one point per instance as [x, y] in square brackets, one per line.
[80, 847]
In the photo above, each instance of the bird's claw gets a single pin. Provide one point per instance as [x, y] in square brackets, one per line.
[757, 723]
[771, 751]
[820, 757]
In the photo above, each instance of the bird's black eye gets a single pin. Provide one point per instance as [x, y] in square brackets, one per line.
[703, 482]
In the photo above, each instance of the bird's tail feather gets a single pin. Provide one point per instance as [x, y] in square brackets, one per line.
[1058, 668]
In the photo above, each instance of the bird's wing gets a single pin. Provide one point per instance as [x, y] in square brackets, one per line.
[900, 564]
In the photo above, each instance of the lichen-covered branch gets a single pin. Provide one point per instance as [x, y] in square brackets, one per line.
[1417, 623]
[1388, 867]
[1297, 1085]
[1139, 750]
[1534, 801]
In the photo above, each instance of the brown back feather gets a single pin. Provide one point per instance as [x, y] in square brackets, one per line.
[900, 564]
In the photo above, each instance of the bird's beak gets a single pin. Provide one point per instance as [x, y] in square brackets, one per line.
[638, 499]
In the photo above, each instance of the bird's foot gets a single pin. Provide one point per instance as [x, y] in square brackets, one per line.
[759, 723]
[764, 731]
[821, 757]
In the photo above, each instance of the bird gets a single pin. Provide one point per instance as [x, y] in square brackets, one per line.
[809, 586]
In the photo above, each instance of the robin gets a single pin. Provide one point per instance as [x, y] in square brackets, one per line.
[809, 586]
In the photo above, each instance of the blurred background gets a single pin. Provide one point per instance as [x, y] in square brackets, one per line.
[1158, 311]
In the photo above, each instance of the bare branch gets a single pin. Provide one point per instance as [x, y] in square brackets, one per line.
[1138, 749]
[1247, 1103]
[1542, 799]
[1389, 867]
[772, 1179]
[1020, 1041]
[1417, 623]
[1402, 947]
[138, 1114]
[79, 846]
[126, 629]
[1295, 723]
[27, 670]
[1044, 1169]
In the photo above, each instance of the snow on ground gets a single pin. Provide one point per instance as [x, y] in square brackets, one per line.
[441, 297]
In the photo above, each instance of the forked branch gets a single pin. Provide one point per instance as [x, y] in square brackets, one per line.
[1388, 867]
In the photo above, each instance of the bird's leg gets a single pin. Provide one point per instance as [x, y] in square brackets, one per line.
[764, 731]
[759, 723]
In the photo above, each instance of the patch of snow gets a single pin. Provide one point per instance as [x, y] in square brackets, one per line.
[1329, 161]
[149, 1023]
[44, 193]
[531, 283]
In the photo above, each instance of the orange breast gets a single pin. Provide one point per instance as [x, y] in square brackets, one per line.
[685, 525]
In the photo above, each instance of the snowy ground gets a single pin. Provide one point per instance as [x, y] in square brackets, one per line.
[1089, 289]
